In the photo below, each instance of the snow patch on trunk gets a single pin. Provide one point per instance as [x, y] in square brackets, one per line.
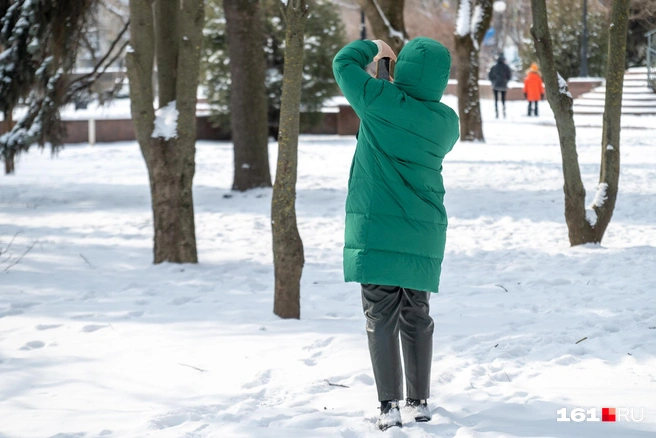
[476, 20]
[562, 85]
[166, 122]
[600, 196]
[462, 25]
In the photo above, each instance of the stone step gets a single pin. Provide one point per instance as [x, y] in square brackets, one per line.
[634, 70]
[628, 111]
[625, 97]
[626, 90]
[635, 76]
[629, 90]
[625, 103]
[636, 83]
[637, 97]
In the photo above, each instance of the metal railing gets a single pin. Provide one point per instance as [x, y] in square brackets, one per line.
[651, 59]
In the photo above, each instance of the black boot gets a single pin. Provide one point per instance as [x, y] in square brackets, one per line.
[418, 409]
[390, 415]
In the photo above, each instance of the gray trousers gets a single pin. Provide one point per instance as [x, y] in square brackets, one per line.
[390, 310]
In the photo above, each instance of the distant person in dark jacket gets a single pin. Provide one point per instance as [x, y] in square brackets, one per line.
[500, 76]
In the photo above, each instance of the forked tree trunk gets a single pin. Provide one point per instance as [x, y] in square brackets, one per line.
[170, 32]
[10, 157]
[248, 99]
[288, 258]
[468, 43]
[386, 19]
[580, 229]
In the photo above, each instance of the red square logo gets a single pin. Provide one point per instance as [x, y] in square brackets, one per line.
[607, 414]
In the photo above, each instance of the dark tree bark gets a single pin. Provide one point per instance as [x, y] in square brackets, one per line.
[610, 142]
[248, 100]
[10, 156]
[170, 160]
[386, 19]
[468, 43]
[288, 255]
[580, 229]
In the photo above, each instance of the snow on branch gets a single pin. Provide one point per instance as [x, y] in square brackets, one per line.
[464, 14]
[393, 33]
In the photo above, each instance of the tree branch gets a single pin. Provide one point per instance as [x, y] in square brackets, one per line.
[17, 261]
[107, 54]
[113, 10]
[10, 243]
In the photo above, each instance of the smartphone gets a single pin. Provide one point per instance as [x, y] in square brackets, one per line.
[383, 68]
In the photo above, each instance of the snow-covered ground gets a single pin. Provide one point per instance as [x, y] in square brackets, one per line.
[95, 341]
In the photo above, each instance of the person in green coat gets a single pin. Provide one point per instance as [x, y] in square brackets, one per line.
[395, 216]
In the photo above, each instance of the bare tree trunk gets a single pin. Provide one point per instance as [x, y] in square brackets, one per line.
[288, 258]
[386, 18]
[580, 230]
[10, 156]
[171, 33]
[469, 105]
[248, 100]
[166, 41]
[610, 142]
[468, 43]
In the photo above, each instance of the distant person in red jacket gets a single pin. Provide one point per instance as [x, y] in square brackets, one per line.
[533, 88]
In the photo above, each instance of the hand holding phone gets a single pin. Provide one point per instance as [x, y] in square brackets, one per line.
[383, 68]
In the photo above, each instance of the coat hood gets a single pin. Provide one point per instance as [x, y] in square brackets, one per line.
[422, 69]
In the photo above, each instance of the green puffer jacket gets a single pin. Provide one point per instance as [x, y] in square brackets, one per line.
[395, 217]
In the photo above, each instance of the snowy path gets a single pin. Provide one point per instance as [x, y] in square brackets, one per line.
[97, 342]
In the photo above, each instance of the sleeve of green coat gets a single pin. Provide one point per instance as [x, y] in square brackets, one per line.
[358, 86]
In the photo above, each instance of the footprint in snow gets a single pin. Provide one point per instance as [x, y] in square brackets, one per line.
[42, 327]
[11, 312]
[321, 343]
[180, 301]
[23, 305]
[33, 345]
[69, 435]
[83, 316]
[262, 378]
[93, 327]
[173, 419]
[312, 360]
